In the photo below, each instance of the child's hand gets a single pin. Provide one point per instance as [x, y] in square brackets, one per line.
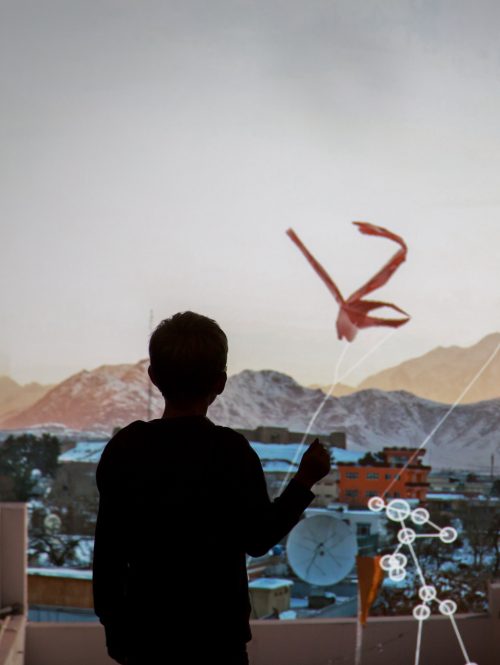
[315, 464]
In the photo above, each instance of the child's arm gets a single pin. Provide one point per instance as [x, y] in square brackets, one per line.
[266, 522]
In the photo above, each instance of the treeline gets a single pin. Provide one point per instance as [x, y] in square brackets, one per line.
[28, 465]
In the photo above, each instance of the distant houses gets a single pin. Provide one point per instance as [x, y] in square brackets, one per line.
[354, 476]
[269, 434]
[392, 473]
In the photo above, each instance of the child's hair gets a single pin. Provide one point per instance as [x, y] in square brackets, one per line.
[187, 353]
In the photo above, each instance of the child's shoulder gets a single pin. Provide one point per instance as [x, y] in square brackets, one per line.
[114, 458]
[230, 432]
[232, 438]
[122, 437]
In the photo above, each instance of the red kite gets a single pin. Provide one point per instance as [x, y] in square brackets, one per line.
[353, 313]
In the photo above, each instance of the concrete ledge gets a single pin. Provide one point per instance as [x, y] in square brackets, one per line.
[386, 641]
[66, 644]
[12, 640]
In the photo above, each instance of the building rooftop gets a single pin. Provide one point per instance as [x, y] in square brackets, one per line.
[84, 451]
[275, 457]
[72, 573]
[269, 583]
[445, 496]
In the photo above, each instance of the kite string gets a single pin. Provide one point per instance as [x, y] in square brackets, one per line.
[448, 413]
[336, 381]
[368, 353]
[315, 415]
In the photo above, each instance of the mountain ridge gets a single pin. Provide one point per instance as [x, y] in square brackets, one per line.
[15, 397]
[113, 396]
[372, 416]
[441, 374]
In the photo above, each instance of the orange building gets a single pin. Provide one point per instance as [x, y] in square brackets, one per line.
[377, 472]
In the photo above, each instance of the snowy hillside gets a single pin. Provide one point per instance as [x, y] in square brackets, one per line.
[101, 399]
[112, 396]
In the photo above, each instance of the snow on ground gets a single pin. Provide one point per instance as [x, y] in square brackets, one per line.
[84, 451]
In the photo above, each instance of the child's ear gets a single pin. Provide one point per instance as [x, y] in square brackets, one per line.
[151, 375]
[221, 383]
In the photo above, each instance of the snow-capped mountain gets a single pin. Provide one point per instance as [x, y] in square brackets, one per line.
[111, 396]
[101, 399]
[463, 437]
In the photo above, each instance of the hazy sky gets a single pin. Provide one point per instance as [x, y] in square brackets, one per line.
[154, 153]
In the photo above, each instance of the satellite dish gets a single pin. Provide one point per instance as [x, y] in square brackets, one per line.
[52, 523]
[321, 549]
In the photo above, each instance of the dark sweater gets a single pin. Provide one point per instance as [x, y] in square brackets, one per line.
[181, 502]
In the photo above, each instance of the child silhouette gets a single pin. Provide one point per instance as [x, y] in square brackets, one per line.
[181, 501]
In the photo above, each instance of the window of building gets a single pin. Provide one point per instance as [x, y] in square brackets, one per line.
[363, 529]
[351, 493]
[352, 474]
[370, 493]
[372, 475]
[397, 495]
[387, 476]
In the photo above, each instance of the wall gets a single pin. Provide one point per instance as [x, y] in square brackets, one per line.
[13, 586]
[60, 591]
[12, 641]
[386, 641]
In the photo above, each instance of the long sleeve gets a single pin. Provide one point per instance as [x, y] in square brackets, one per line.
[110, 566]
[266, 522]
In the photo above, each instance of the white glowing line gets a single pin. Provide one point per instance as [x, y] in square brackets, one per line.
[417, 565]
[450, 410]
[419, 641]
[437, 600]
[311, 421]
[335, 382]
[368, 353]
[459, 638]
[330, 391]
[431, 524]
[435, 526]
[316, 413]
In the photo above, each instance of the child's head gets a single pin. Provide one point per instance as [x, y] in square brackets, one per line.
[188, 354]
